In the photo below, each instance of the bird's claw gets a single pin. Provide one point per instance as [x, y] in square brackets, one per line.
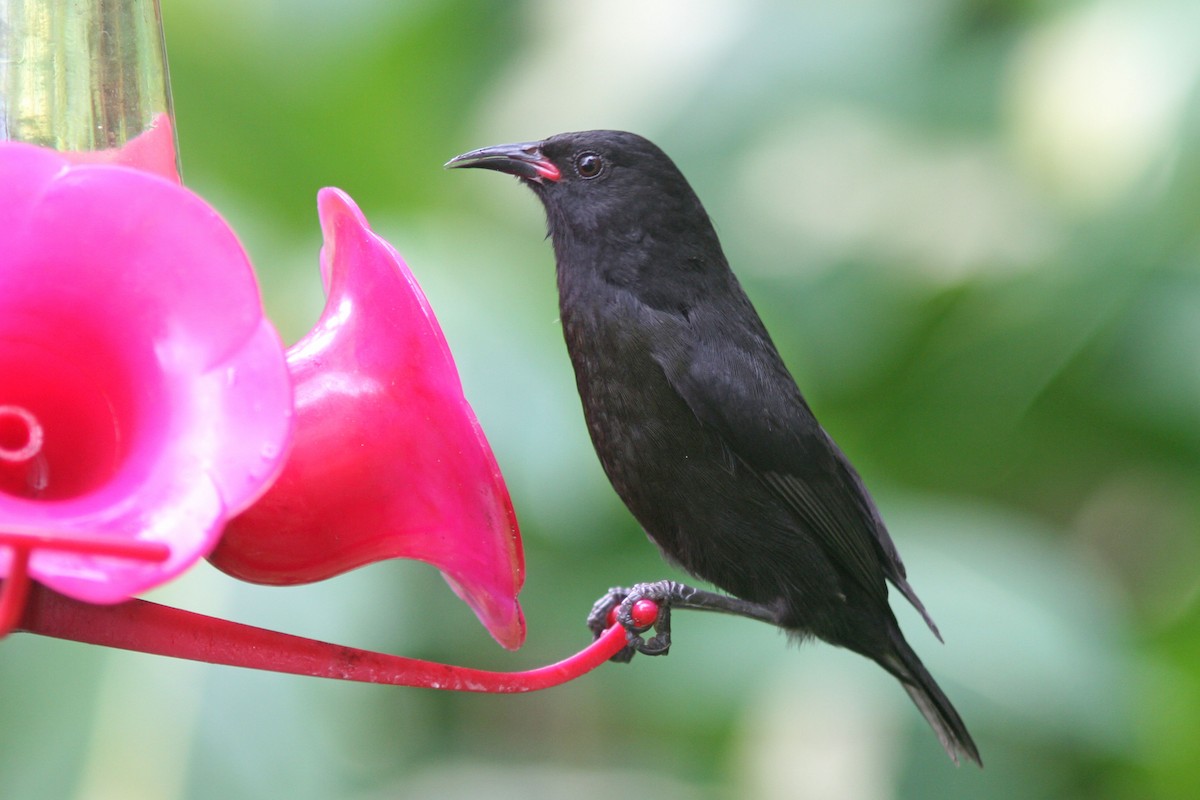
[597, 619]
[623, 601]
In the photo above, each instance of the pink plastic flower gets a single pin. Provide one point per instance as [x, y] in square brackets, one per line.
[144, 398]
[389, 460]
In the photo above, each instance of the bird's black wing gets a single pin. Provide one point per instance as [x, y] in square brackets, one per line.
[736, 385]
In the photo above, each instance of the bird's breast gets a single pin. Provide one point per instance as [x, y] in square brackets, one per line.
[632, 412]
[652, 447]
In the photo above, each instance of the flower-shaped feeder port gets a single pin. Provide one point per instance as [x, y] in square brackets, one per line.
[389, 460]
[145, 398]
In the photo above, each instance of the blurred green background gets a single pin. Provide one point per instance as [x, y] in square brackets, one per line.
[972, 228]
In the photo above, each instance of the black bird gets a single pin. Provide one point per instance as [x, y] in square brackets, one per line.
[697, 422]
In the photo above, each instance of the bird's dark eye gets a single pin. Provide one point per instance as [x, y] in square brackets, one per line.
[588, 165]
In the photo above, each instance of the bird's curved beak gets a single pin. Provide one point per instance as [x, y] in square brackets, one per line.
[525, 160]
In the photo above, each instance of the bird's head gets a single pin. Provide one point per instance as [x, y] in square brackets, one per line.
[593, 180]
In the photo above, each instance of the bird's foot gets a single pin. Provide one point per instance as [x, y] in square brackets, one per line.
[638, 609]
[628, 606]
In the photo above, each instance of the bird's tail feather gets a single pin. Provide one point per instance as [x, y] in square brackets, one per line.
[929, 698]
[905, 589]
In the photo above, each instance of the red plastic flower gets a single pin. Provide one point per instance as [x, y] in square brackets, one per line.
[389, 460]
[144, 398]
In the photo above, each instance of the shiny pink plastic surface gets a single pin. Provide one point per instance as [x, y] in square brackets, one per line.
[132, 333]
[389, 460]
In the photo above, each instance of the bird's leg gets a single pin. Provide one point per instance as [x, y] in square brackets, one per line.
[668, 595]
